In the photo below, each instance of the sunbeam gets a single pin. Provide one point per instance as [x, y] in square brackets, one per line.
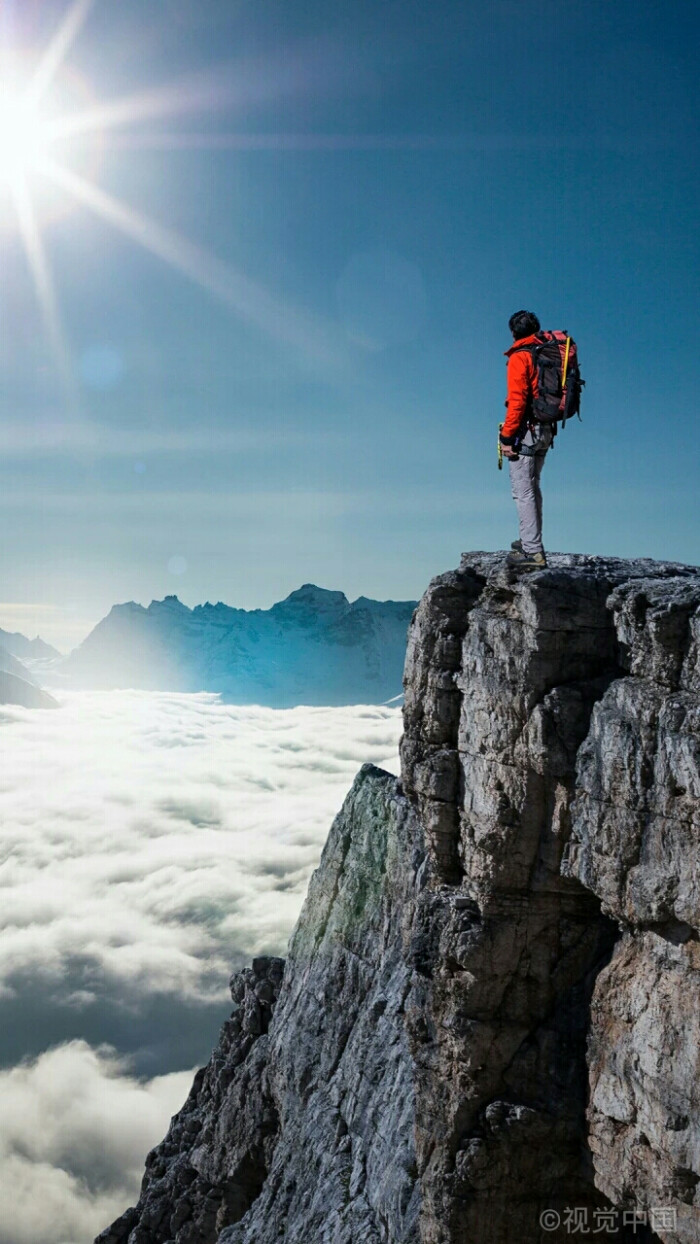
[196, 93]
[238, 292]
[57, 50]
[46, 290]
[222, 140]
[232, 84]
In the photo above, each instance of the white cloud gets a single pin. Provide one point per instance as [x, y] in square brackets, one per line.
[151, 842]
[74, 1130]
[159, 836]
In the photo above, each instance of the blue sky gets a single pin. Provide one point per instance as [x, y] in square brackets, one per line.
[304, 383]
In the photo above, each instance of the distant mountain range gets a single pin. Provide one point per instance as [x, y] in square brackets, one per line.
[19, 646]
[315, 647]
[16, 683]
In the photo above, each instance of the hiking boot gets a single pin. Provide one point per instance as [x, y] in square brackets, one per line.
[517, 545]
[527, 561]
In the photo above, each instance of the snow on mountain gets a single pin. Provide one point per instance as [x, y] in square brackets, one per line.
[314, 647]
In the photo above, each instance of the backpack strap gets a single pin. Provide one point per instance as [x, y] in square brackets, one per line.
[566, 363]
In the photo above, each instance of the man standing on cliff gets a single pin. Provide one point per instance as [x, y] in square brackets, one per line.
[525, 443]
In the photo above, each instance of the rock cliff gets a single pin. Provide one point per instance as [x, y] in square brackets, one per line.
[486, 1029]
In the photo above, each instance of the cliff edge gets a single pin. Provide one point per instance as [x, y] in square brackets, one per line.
[487, 1026]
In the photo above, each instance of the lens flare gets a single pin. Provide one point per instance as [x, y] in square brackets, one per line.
[46, 129]
[24, 138]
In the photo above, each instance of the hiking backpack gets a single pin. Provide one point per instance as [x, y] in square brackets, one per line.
[559, 382]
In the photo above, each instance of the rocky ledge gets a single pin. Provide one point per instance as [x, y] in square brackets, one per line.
[487, 1028]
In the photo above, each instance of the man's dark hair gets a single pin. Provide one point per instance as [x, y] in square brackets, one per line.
[523, 324]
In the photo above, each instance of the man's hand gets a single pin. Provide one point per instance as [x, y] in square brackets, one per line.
[508, 451]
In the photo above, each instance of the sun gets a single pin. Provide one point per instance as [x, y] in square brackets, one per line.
[52, 125]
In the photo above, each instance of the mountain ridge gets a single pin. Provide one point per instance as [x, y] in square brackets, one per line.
[313, 647]
[20, 646]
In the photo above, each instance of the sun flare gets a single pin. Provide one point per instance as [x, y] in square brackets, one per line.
[52, 133]
[25, 138]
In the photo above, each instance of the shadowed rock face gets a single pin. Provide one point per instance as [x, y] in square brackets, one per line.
[421, 1067]
[301, 1127]
[635, 837]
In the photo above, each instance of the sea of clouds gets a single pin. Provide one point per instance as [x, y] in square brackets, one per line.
[150, 843]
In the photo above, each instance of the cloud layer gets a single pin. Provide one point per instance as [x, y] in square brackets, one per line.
[74, 1128]
[155, 840]
[152, 842]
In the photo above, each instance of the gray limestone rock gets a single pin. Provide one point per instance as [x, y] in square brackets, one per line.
[644, 1056]
[212, 1164]
[635, 840]
[489, 1008]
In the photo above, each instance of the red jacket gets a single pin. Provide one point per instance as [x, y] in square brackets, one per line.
[522, 385]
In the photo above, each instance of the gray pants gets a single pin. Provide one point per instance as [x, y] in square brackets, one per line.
[525, 485]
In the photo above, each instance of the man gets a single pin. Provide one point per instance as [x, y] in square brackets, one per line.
[521, 431]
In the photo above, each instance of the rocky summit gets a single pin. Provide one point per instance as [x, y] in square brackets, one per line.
[487, 1028]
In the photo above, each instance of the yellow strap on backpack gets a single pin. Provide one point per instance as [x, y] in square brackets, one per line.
[566, 364]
